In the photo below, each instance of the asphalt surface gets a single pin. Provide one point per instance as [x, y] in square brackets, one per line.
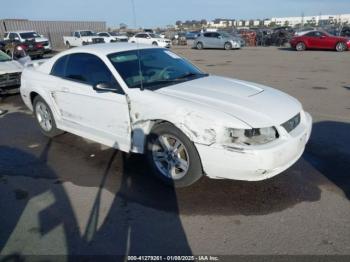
[72, 196]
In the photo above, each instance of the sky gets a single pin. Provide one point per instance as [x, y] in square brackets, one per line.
[159, 13]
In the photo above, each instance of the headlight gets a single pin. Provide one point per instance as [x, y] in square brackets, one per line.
[255, 136]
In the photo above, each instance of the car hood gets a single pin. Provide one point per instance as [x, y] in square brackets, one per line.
[161, 39]
[10, 67]
[256, 105]
[41, 39]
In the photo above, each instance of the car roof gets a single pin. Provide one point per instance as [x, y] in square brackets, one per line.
[108, 48]
[23, 31]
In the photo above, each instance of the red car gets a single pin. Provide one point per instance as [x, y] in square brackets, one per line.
[320, 40]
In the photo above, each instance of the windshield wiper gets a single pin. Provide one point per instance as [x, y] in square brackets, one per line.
[190, 75]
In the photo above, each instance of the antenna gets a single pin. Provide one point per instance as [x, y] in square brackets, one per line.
[138, 49]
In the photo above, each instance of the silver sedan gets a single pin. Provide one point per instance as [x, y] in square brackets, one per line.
[217, 40]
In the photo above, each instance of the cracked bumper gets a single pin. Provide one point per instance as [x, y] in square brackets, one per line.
[260, 162]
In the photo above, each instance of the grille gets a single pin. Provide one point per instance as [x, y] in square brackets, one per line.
[14, 76]
[10, 79]
[98, 40]
[292, 123]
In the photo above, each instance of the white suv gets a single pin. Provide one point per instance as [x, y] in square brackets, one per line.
[150, 39]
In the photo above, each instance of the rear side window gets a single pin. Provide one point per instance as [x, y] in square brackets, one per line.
[59, 67]
[207, 34]
[89, 69]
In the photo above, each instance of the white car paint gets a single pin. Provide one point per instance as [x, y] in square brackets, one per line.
[203, 109]
[109, 38]
[148, 39]
[9, 75]
[78, 40]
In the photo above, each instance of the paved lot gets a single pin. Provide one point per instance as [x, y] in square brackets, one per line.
[72, 196]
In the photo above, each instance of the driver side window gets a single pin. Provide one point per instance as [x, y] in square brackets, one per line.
[84, 68]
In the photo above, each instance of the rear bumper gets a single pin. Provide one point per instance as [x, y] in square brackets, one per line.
[260, 162]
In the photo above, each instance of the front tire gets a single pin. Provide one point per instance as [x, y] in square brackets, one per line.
[173, 157]
[45, 118]
[340, 47]
[155, 44]
[227, 46]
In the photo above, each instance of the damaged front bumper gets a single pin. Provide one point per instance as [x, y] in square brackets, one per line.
[256, 162]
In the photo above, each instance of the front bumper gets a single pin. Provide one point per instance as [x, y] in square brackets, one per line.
[258, 162]
[164, 44]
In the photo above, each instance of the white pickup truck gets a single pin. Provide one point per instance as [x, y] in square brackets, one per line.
[82, 37]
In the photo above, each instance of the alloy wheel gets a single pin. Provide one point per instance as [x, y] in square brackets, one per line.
[170, 157]
[43, 116]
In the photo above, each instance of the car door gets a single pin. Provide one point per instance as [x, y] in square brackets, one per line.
[315, 40]
[310, 39]
[100, 116]
[139, 38]
[76, 39]
[207, 40]
[216, 40]
[327, 41]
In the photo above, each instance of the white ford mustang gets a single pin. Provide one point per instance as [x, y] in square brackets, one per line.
[148, 100]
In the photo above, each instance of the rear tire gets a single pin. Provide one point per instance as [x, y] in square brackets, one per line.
[45, 118]
[173, 157]
[340, 47]
[300, 46]
[199, 46]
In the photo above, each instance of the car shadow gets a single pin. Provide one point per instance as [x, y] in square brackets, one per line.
[48, 173]
[329, 152]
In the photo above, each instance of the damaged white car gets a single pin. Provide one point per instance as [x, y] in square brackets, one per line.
[148, 100]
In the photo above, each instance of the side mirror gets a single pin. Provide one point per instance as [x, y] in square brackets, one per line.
[104, 87]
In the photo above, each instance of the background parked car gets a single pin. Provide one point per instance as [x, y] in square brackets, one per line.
[150, 39]
[25, 36]
[121, 37]
[217, 40]
[82, 37]
[10, 74]
[15, 49]
[192, 35]
[320, 40]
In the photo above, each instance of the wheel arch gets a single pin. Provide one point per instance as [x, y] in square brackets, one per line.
[143, 128]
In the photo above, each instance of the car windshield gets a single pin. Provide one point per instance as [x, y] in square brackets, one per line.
[87, 33]
[4, 57]
[29, 35]
[153, 68]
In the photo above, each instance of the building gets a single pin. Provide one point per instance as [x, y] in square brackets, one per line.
[221, 23]
[310, 20]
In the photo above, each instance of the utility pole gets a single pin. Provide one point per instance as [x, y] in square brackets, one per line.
[302, 21]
